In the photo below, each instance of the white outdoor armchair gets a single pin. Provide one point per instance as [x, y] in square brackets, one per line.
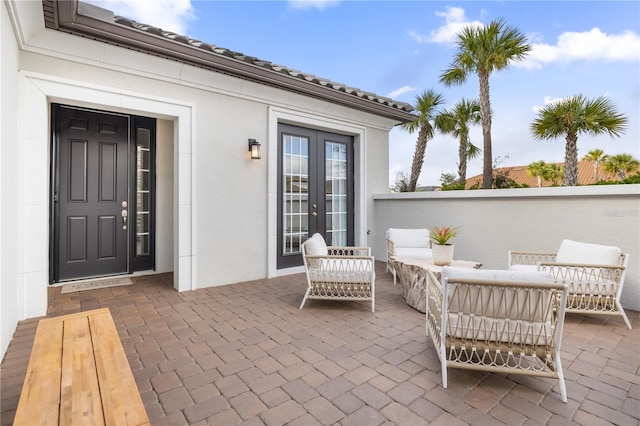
[595, 275]
[497, 321]
[338, 273]
[407, 243]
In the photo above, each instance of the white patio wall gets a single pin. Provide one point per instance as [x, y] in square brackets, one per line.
[492, 222]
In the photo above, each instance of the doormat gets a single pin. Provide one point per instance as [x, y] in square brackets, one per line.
[95, 284]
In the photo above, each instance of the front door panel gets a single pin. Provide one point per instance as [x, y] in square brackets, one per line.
[91, 194]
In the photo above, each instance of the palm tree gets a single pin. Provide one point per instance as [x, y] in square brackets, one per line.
[425, 111]
[537, 169]
[456, 122]
[553, 173]
[574, 115]
[482, 51]
[621, 164]
[596, 156]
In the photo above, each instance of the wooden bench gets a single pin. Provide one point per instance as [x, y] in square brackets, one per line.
[78, 374]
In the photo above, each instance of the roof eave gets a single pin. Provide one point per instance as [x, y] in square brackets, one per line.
[69, 20]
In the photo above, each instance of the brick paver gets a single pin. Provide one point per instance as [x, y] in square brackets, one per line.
[245, 354]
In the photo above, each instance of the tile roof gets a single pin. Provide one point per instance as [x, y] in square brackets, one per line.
[519, 174]
[217, 50]
[103, 25]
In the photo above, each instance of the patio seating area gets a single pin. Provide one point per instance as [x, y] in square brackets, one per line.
[246, 354]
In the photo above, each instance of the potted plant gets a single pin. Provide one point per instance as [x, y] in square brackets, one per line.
[441, 249]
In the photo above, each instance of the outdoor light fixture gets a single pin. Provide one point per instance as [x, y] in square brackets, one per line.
[254, 148]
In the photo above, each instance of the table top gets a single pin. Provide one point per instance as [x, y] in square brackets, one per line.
[429, 265]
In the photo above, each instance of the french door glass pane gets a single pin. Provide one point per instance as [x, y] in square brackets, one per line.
[336, 193]
[143, 162]
[295, 179]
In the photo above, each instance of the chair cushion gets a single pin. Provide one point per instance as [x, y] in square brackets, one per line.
[521, 276]
[316, 246]
[409, 237]
[413, 252]
[485, 328]
[588, 254]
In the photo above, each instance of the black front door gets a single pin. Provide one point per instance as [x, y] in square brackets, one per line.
[90, 193]
[315, 190]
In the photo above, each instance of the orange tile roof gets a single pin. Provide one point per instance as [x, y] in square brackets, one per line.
[519, 174]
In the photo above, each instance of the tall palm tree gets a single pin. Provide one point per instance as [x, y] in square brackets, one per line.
[537, 169]
[482, 51]
[426, 111]
[621, 164]
[574, 115]
[596, 156]
[456, 122]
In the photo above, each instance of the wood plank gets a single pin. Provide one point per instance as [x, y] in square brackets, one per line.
[120, 396]
[80, 392]
[63, 318]
[40, 398]
[78, 374]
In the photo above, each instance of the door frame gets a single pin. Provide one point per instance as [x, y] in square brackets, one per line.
[133, 261]
[278, 115]
[34, 136]
[316, 190]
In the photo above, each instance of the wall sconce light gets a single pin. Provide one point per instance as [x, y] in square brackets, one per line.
[254, 148]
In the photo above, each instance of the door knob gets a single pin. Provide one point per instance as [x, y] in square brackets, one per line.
[314, 214]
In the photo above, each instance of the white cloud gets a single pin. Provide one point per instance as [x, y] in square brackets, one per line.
[593, 45]
[312, 4]
[547, 100]
[401, 91]
[455, 20]
[170, 15]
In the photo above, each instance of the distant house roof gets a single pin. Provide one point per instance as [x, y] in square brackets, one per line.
[90, 21]
[519, 175]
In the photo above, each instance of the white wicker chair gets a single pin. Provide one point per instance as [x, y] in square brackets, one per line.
[595, 275]
[407, 243]
[338, 273]
[497, 321]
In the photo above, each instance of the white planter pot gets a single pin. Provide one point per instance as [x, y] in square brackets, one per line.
[442, 255]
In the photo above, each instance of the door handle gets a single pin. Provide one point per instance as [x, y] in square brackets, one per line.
[314, 213]
[124, 219]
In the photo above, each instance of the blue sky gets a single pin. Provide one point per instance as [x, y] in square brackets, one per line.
[400, 48]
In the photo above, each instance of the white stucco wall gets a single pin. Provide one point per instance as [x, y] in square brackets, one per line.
[217, 212]
[9, 287]
[492, 222]
[164, 196]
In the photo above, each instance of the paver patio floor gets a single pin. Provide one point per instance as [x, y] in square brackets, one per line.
[245, 354]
